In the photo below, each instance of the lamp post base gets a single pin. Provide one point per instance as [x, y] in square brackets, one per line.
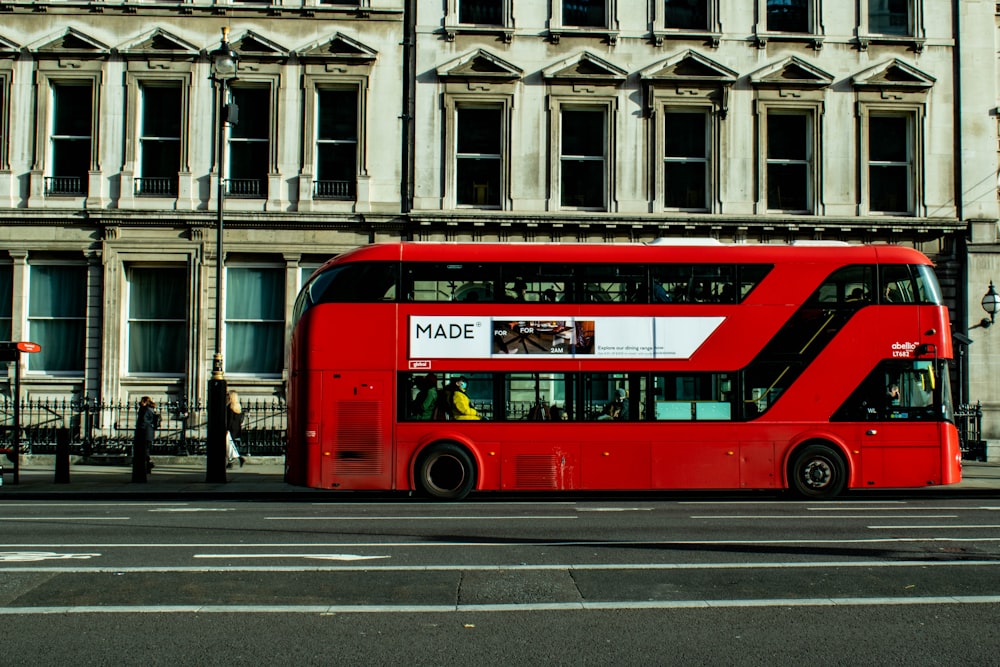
[215, 450]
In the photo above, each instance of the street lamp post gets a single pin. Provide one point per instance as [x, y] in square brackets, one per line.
[224, 61]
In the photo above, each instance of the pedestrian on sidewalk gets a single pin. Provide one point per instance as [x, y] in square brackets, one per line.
[146, 423]
[234, 429]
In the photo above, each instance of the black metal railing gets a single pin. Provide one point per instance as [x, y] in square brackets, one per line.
[969, 420]
[251, 188]
[156, 186]
[334, 190]
[68, 186]
[109, 428]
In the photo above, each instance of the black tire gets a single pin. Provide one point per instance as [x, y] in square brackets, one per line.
[446, 471]
[817, 471]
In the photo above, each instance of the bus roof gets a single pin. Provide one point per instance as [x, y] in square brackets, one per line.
[671, 250]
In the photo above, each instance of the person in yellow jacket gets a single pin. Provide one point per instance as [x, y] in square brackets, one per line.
[461, 408]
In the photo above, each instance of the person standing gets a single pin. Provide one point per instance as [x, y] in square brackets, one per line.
[146, 423]
[234, 429]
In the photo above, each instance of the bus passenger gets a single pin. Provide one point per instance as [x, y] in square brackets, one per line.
[617, 409]
[520, 291]
[426, 399]
[461, 408]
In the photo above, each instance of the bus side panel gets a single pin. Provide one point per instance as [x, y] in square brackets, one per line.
[305, 393]
[356, 441]
[757, 465]
[540, 466]
[709, 463]
[615, 465]
[901, 454]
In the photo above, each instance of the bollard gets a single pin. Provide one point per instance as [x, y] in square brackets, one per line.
[62, 456]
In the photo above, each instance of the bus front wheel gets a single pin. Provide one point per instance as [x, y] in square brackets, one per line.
[817, 471]
[446, 471]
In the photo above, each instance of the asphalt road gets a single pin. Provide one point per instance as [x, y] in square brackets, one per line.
[617, 581]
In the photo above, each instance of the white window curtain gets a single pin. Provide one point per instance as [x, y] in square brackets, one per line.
[157, 331]
[255, 324]
[57, 300]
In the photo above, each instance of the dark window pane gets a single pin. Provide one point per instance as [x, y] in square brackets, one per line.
[255, 113]
[685, 134]
[338, 115]
[160, 159]
[478, 182]
[161, 111]
[483, 12]
[786, 136]
[889, 17]
[248, 160]
[889, 188]
[787, 186]
[690, 14]
[685, 184]
[479, 131]
[887, 138]
[583, 183]
[788, 15]
[335, 162]
[584, 13]
[583, 133]
[71, 110]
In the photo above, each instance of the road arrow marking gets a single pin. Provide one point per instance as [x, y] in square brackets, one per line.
[34, 556]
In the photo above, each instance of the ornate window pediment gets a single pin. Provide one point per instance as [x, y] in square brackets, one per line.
[480, 65]
[791, 72]
[689, 67]
[159, 44]
[339, 48]
[70, 43]
[893, 75]
[252, 46]
[8, 48]
[585, 67]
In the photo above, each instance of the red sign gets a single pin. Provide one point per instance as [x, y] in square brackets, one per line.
[25, 346]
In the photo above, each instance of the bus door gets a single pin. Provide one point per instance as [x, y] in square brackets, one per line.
[357, 437]
[899, 433]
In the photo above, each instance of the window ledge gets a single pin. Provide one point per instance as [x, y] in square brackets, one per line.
[712, 39]
[915, 43]
[814, 41]
[504, 32]
[611, 36]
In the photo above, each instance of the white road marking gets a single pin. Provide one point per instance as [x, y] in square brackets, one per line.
[420, 518]
[467, 608]
[68, 517]
[35, 556]
[343, 557]
[193, 509]
[580, 567]
[935, 527]
[614, 509]
[807, 516]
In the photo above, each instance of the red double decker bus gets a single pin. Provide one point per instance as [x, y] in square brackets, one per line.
[673, 365]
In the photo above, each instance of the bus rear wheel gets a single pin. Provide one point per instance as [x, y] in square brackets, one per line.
[446, 471]
[817, 471]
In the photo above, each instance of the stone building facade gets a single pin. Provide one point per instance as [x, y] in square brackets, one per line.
[565, 120]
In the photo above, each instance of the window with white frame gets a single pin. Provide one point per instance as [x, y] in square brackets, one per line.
[159, 139]
[585, 13]
[336, 143]
[890, 163]
[250, 143]
[255, 319]
[480, 12]
[890, 17]
[686, 14]
[789, 16]
[478, 156]
[6, 301]
[686, 157]
[57, 317]
[70, 139]
[157, 320]
[583, 157]
[789, 160]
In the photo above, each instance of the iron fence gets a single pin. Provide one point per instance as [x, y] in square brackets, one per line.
[97, 428]
[969, 420]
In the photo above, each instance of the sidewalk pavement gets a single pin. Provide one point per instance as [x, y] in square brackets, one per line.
[261, 478]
